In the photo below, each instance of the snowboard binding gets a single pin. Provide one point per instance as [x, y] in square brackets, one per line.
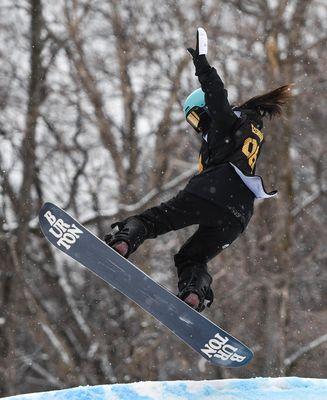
[196, 283]
[126, 236]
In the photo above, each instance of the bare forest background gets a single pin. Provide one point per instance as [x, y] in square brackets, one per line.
[91, 96]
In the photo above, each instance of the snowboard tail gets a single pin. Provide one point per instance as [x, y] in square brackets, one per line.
[206, 338]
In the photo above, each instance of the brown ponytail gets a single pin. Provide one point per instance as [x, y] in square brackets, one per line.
[269, 104]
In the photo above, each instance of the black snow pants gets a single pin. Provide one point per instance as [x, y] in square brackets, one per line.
[218, 227]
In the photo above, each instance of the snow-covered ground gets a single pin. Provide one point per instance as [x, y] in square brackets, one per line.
[228, 389]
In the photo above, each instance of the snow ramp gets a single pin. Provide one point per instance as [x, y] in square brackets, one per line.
[291, 388]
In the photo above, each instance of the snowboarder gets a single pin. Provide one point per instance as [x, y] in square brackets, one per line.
[219, 199]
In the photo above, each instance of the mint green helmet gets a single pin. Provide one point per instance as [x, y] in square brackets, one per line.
[195, 99]
[195, 110]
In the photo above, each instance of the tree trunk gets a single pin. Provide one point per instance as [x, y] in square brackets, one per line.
[278, 254]
[28, 144]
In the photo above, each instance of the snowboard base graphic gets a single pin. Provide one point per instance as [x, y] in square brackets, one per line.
[206, 338]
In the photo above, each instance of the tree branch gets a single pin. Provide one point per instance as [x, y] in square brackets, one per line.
[299, 353]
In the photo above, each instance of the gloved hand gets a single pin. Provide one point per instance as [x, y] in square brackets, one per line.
[199, 54]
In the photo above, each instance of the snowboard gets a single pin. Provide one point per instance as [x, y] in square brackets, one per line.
[209, 340]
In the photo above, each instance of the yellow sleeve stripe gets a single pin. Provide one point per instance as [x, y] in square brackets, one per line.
[200, 165]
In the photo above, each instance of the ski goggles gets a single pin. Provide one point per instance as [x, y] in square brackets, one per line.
[196, 117]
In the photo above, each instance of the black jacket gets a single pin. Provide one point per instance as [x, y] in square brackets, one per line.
[228, 139]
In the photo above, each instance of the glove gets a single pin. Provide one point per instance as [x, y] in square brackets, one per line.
[199, 54]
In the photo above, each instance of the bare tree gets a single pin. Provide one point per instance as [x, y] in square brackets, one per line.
[91, 100]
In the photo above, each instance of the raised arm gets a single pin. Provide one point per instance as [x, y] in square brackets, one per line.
[216, 97]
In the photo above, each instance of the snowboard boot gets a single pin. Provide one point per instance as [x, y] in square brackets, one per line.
[127, 236]
[194, 287]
